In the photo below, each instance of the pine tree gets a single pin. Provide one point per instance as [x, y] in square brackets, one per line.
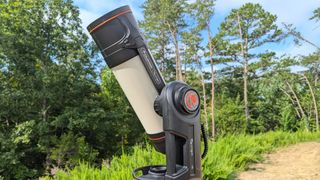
[203, 10]
[166, 16]
[244, 30]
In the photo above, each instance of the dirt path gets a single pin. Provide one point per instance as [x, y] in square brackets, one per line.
[300, 161]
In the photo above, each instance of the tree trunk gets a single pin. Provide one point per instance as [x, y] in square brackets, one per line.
[292, 101]
[185, 71]
[174, 35]
[177, 52]
[212, 81]
[244, 52]
[316, 76]
[162, 52]
[245, 84]
[314, 102]
[303, 114]
[204, 96]
[297, 100]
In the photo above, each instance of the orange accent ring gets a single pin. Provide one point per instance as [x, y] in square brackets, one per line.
[156, 139]
[110, 19]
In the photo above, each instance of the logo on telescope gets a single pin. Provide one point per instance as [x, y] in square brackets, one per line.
[191, 100]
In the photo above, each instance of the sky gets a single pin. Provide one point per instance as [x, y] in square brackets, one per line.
[296, 12]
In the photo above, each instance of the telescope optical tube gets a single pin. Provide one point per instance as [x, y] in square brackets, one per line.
[125, 52]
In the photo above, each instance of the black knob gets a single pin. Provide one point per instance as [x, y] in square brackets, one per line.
[157, 106]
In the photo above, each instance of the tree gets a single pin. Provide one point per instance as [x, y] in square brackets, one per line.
[244, 30]
[192, 42]
[52, 109]
[158, 38]
[311, 62]
[311, 77]
[169, 18]
[297, 91]
[314, 100]
[203, 11]
[230, 117]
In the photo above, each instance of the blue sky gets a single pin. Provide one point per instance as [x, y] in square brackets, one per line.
[296, 12]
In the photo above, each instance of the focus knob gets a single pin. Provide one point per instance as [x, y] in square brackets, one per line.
[157, 106]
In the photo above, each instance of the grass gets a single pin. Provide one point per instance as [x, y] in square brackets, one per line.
[232, 154]
[226, 157]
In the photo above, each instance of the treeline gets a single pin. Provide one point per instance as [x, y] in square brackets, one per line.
[248, 88]
[53, 111]
[58, 107]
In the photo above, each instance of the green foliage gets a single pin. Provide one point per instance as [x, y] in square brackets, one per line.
[121, 121]
[244, 30]
[316, 15]
[226, 157]
[53, 112]
[257, 26]
[288, 120]
[119, 168]
[11, 166]
[202, 11]
[69, 149]
[162, 29]
[230, 117]
[21, 133]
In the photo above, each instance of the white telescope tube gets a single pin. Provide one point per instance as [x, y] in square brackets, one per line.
[140, 91]
[125, 51]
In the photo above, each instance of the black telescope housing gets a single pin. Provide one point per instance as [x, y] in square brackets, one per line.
[118, 37]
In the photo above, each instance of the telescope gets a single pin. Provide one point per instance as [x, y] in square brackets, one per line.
[169, 112]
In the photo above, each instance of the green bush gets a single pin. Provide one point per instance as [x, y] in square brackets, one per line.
[69, 149]
[226, 157]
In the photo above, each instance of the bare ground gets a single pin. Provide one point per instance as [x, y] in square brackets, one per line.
[296, 162]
